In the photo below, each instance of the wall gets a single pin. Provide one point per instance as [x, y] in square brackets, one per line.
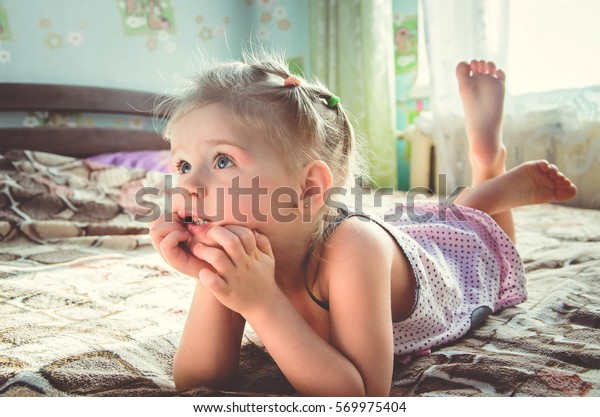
[146, 45]
[150, 45]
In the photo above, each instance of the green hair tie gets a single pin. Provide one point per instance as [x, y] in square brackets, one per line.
[333, 101]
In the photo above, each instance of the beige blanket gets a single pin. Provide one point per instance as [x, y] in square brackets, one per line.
[88, 308]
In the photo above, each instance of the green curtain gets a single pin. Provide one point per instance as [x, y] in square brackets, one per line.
[352, 52]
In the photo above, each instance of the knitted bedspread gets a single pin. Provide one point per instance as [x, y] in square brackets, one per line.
[87, 308]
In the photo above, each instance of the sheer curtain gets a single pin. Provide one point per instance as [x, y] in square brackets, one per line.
[352, 52]
[458, 30]
[562, 126]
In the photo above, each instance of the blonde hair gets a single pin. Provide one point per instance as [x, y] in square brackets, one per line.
[295, 119]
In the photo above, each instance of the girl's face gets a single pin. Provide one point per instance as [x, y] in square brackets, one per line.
[226, 175]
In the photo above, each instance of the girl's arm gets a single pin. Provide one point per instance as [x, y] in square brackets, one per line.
[311, 365]
[358, 360]
[210, 344]
[209, 350]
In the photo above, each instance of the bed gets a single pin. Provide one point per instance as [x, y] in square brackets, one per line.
[87, 308]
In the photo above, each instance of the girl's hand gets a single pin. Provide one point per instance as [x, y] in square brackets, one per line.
[243, 274]
[169, 238]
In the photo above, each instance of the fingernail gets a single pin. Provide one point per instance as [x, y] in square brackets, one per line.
[256, 234]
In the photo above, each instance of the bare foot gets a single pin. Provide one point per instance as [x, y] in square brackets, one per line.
[541, 182]
[481, 88]
[534, 182]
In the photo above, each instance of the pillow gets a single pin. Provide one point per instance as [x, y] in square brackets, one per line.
[147, 160]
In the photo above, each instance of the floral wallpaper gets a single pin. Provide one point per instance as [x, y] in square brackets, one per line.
[55, 40]
[146, 17]
[4, 35]
[147, 45]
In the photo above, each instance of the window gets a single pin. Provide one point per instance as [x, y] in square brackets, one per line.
[553, 44]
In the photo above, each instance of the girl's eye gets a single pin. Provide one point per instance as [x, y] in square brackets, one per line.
[183, 167]
[223, 161]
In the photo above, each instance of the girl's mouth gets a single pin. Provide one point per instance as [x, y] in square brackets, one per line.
[195, 220]
[196, 225]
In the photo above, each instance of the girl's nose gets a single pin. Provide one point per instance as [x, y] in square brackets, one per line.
[186, 192]
[187, 197]
[193, 185]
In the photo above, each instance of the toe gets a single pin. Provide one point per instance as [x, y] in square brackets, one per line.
[573, 189]
[474, 66]
[565, 182]
[553, 174]
[500, 75]
[490, 68]
[544, 165]
[481, 66]
[463, 70]
[563, 194]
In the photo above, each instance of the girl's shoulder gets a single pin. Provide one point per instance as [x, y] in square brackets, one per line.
[357, 233]
[355, 250]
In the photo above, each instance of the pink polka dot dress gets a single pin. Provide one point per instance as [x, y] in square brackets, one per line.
[465, 268]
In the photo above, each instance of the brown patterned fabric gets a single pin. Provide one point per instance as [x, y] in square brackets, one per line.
[88, 308]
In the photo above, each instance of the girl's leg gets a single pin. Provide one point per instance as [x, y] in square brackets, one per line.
[533, 182]
[481, 87]
[493, 190]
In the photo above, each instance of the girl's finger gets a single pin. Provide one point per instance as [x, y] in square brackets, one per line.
[229, 241]
[217, 258]
[262, 243]
[173, 239]
[212, 281]
[158, 231]
[245, 235]
[169, 246]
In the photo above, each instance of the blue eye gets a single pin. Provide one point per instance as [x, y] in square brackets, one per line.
[223, 161]
[184, 167]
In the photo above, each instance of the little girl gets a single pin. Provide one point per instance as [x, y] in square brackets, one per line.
[332, 294]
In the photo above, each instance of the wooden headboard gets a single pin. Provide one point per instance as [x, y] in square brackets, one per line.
[77, 141]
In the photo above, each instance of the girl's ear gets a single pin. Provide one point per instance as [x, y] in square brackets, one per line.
[317, 180]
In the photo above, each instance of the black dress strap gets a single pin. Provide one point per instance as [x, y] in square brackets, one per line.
[344, 214]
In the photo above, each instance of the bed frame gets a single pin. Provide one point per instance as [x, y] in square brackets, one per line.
[78, 141]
